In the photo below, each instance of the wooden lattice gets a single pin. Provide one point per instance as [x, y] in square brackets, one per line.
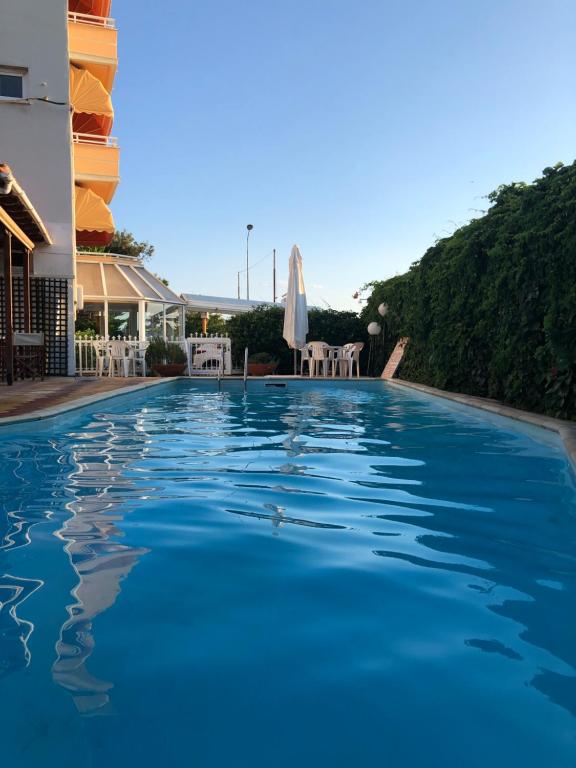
[49, 315]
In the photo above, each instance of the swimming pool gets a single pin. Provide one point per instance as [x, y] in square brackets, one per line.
[316, 576]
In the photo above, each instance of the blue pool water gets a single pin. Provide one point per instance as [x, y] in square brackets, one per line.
[311, 576]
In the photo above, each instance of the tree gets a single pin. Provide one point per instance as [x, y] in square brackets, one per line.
[125, 244]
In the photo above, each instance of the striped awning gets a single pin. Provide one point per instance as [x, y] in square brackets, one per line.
[94, 221]
[91, 102]
[92, 7]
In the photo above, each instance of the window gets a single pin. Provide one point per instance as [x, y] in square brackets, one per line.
[173, 322]
[154, 320]
[91, 319]
[11, 84]
[123, 320]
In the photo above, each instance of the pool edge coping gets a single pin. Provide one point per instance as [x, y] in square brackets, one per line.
[565, 429]
[81, 402]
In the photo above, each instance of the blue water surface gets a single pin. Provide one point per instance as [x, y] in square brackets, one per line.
[320, 575]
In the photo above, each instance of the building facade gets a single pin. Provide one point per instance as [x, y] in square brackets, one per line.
[35, 128]
[58, 61]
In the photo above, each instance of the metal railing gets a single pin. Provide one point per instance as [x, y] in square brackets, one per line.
[87, 18]
[94, 138]
[245, 367]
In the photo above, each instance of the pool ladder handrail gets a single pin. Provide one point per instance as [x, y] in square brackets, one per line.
[245, 367]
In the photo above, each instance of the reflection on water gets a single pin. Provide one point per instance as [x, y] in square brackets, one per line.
[99, 561]
[393, 518]
[14, 631]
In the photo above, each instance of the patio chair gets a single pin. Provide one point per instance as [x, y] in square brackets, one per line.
[102, 356]
[345, 358]
[137, 354]
[319, 358]
[305, 357]
[119, 360]
[208, 357]
[29, 355]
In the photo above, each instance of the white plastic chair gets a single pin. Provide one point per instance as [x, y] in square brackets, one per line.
[102, 356]
[137, 357]
[346, 357]
[305, 358]
[208, 357]
[319, 359]
[119, 360]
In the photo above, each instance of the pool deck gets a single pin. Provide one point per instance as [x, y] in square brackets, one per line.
[33, 400]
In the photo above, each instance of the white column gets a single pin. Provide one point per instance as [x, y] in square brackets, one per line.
[142, 320]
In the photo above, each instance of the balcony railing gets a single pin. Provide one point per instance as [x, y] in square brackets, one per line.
[136, 259]
[86, 18]
[94, 138]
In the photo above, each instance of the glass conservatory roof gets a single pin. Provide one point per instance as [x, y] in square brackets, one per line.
[120, 278]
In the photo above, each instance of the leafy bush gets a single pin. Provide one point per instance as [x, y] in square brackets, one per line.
[261, 331]
[216, 324]
[160, 352]
[491, 310]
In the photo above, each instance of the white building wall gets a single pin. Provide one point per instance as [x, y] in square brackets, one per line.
[35, 136]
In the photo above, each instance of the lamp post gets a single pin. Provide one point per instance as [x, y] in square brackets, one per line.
[249, 227]
[383, 311]
[374, 329]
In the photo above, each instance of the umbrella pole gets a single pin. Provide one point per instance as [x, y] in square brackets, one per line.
[295, 362]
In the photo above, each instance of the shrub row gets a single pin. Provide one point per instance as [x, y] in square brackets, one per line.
[491, 310]
[261, 331]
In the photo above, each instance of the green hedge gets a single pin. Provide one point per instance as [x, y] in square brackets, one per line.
[491, 310]
[261, 331]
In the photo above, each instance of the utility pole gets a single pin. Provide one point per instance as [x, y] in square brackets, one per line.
[249, 227]
[238, 284]
[274, 276]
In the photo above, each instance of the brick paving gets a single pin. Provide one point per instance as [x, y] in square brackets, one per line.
[25, 397]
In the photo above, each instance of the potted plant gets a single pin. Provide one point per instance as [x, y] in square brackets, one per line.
[165, 358]
[261, 364]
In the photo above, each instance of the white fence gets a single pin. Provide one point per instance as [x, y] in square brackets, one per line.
[205, 355]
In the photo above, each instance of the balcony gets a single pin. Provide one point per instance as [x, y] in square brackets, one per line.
[97, 163]
[93, 44]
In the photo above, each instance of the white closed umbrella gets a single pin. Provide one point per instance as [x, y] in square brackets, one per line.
[296, 313]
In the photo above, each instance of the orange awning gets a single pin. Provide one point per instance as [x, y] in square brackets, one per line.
[94, 221]
[93, 7]
[93, 111]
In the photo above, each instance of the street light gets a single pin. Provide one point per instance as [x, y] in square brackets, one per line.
[249, 227]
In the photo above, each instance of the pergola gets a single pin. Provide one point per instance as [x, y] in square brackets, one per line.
[21, 230]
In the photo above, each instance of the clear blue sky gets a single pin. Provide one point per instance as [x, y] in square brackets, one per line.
[360, 129]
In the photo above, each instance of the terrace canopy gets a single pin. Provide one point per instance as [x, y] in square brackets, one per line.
[118, 296]
[93, 111]
[221, 305]
[21, 230]
[94, 222]
[93, 7]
